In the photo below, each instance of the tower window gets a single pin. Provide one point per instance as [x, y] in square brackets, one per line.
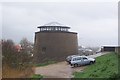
[43, 49]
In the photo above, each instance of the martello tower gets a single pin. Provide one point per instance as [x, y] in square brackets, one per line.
[54, 42]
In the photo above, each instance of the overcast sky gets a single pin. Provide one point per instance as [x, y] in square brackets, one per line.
[95, 22]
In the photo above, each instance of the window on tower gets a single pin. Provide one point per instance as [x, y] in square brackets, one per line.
[43, 50]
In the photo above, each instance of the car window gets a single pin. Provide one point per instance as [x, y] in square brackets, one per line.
[74, 59]
[84, 58]
[79, 58]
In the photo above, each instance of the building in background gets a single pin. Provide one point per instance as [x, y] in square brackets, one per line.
[18, 47]
[54, 42]
[110, 48]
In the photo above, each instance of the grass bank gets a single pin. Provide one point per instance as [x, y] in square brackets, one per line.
[106, 66]
[45, 63]
[37, 76]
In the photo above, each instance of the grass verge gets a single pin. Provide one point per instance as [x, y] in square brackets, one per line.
[106, 66]
[45, 63]
[37, 76]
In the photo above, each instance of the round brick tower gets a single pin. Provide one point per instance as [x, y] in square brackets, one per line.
[54, 42]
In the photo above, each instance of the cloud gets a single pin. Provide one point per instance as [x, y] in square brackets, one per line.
[96, 23]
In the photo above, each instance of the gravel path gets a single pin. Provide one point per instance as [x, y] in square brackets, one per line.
[58, 70]
[97, 55]
[61, 69]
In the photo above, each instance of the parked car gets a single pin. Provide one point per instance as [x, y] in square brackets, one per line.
[98, 51]
[85, 51]
[68, 59]
[81, 60]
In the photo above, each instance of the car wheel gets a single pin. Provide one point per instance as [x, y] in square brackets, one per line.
[75, 65]
[91, 62]
[71, 64]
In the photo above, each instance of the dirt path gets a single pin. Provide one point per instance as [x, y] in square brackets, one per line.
[59, 70]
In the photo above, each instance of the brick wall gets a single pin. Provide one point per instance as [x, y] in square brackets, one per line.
[54, 46]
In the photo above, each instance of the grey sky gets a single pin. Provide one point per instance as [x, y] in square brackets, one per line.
[95, 22]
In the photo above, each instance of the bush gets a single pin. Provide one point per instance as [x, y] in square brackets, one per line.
[37, 76]
[14, 58]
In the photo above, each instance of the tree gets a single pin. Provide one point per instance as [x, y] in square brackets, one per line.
[9, 53]
[26, 52]
[27, 47]
[14, 58]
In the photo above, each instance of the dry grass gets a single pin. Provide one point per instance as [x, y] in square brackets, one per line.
[8, 72]
[0, 73]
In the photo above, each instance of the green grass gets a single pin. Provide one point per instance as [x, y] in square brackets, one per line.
[37, 76]
[106, 66]
[45, 63]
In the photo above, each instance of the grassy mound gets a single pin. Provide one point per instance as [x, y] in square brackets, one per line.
[106, 66]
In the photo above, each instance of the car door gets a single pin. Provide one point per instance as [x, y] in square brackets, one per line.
[79, 61]
[85, 60]
[74, 61]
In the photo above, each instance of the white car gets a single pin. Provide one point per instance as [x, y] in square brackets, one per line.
[81, 60]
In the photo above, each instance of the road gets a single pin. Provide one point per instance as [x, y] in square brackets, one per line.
[97, 55]
[61, 69]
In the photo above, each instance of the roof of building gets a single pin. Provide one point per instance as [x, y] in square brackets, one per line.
[54, 24]
[111, 46]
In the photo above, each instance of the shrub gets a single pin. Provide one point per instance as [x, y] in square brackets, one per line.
[37, 76]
